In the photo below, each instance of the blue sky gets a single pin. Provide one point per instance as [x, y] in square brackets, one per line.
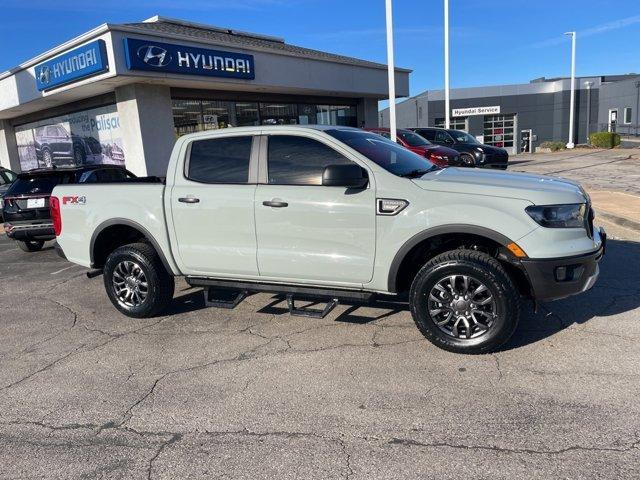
[492, 41]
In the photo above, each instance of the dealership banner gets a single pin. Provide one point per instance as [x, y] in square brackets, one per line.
[161, 57]
[74, 65]
[468, 112]
[88, 137]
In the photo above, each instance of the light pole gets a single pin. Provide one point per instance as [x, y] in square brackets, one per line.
[447, 110]
[391, 71]
[588, 85]
[570, 144]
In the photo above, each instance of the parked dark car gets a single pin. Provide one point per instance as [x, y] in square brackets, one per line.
[472, 152]
[7, 177]
[439, 155]
[56, 147]
[26, 203]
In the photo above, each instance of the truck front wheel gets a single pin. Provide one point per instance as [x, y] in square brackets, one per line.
[465, 302]
[136, 281]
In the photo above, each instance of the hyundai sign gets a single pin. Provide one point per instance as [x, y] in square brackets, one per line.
[81, 62]
[169, 58]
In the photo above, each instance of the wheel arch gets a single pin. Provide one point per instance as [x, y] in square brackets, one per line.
[422, 239]
[116, 232]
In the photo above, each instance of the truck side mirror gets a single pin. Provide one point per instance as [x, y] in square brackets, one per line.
[349, 176]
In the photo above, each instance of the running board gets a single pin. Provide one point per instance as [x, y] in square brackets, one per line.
[228, 301]
[304, 291]
[310, 312]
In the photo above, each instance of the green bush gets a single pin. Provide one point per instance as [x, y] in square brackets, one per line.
[604, 139]
[553, 145]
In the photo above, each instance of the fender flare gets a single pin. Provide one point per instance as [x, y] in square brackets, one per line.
[129, 223]
[433, 232]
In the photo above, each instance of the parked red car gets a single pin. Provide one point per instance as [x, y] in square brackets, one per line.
[439, 155]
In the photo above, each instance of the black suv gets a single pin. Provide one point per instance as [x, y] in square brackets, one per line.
[26, 203]
[56, 147]
[472, 152]
[7, 177]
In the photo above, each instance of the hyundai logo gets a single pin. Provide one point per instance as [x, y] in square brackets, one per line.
[154, 56]
[45, 75]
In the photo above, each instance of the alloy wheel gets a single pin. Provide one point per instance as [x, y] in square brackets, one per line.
[130, 283]
[462, 306]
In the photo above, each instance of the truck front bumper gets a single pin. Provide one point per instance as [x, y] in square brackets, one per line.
[556, 278]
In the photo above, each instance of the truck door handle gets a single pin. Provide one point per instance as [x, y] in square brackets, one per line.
[189, 200]
[275, 203]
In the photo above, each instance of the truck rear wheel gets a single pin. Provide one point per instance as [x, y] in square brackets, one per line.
[30, 245]
[136, 281]
[465, 302]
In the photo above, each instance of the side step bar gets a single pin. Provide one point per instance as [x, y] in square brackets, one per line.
[236, 291]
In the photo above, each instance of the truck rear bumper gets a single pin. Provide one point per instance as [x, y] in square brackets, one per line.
[556, 278]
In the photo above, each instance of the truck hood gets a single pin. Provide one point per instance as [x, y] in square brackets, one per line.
[538, 189]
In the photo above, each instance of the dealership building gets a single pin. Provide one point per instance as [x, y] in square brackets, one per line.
[123, 93]
[521, 117]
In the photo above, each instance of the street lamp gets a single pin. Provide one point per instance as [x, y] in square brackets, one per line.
[447, 110]
[570, 144]
[391, 71]
[588, 85]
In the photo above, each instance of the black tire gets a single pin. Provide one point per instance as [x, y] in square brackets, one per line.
[160, 283]
[480, 268]
[467, 160]
[79, 157]
[30, 245]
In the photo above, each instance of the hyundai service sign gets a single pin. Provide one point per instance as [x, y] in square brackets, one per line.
[81, 62]
[169, 58]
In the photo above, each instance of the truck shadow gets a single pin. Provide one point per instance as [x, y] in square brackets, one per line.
[617, 291]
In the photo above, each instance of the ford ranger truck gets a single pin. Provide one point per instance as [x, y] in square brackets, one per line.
[343, 214]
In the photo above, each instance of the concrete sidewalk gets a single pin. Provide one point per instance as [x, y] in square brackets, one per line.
[618, 208]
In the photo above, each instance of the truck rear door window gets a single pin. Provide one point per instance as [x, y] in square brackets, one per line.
[220, 160]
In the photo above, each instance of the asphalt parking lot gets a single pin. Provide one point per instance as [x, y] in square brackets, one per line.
[255, 393]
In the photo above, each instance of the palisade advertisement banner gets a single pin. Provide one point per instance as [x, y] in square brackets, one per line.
[88, 137]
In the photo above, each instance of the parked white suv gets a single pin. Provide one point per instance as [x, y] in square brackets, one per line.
[336, 212]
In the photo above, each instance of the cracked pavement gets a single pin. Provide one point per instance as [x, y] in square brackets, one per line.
[254, 393]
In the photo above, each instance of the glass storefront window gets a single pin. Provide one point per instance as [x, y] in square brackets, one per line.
[342, 115]
[278, 114]
[456, 123]
[216, 114]
[246, 114]
[198, 115]
[498, 130]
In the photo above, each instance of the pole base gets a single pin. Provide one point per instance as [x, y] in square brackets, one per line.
[571, 145]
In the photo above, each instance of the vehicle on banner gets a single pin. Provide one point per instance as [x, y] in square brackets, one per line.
[472, 152]
[54, 146]
[335, 213]
[441, 156]
[25, 206]
[7, 177]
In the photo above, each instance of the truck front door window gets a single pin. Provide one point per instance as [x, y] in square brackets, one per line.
[299, 161]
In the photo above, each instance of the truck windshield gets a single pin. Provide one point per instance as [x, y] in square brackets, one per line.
[390, 156]
[33, 184]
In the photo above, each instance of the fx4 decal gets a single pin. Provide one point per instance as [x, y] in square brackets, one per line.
[74, 200]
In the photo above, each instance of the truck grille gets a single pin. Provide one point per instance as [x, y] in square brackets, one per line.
[589, 220]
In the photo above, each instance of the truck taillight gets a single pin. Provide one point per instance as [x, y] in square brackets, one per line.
[56, 218]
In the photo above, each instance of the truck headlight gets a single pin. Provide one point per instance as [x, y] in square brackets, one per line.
[559, 216]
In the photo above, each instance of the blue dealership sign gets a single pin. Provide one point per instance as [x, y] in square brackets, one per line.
[76, 64]
[160, 57]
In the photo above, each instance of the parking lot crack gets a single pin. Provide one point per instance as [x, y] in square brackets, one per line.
[528, 451]
[176, 437]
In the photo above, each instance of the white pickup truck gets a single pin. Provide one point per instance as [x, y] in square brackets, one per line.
[336, 213]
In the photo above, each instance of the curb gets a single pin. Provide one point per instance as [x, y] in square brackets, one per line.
[623, 222]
